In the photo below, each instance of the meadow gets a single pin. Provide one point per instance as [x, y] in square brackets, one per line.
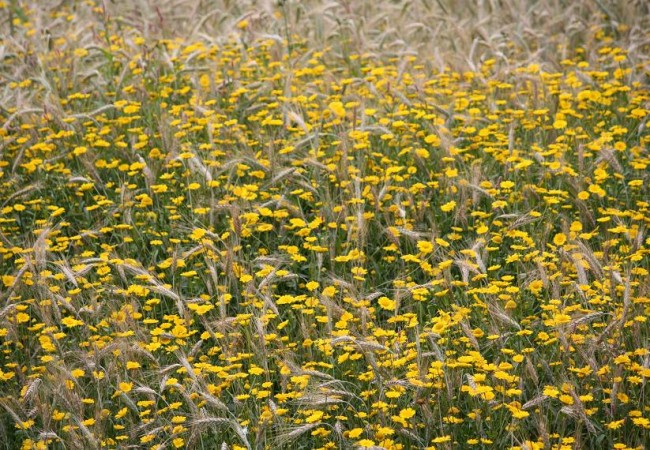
[324, 224]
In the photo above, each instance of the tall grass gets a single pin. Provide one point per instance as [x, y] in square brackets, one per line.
[333, 224]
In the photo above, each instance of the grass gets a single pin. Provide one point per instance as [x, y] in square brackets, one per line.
[337, 224]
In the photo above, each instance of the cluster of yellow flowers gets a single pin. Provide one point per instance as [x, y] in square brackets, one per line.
[235, 244]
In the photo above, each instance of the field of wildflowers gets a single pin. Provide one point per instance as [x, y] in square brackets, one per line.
[393, 224]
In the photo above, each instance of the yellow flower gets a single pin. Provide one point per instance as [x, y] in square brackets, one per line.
[355, 433]
[641, 422]
[615, 425]
[147, 438]
[449, 206]
[71, 322]
[329, 291]
[22, 317]
[131, 109]
[407, 413]
[559, 124]
[519, 413]
[425, 247]
[536, 286]
[451, 172]
[245, 278]
[58, 415]
[559, 239]
[8, 280]
[597, 190]
[314, 417]
[200, 309]
[551, 391]
[441, 242]
[337, 108]
[80, 52]
[386, 303]
[566, 399]
[197, 234]
[432, 139]
[6, 376]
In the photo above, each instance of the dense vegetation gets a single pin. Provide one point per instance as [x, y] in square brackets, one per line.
[324, 225]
